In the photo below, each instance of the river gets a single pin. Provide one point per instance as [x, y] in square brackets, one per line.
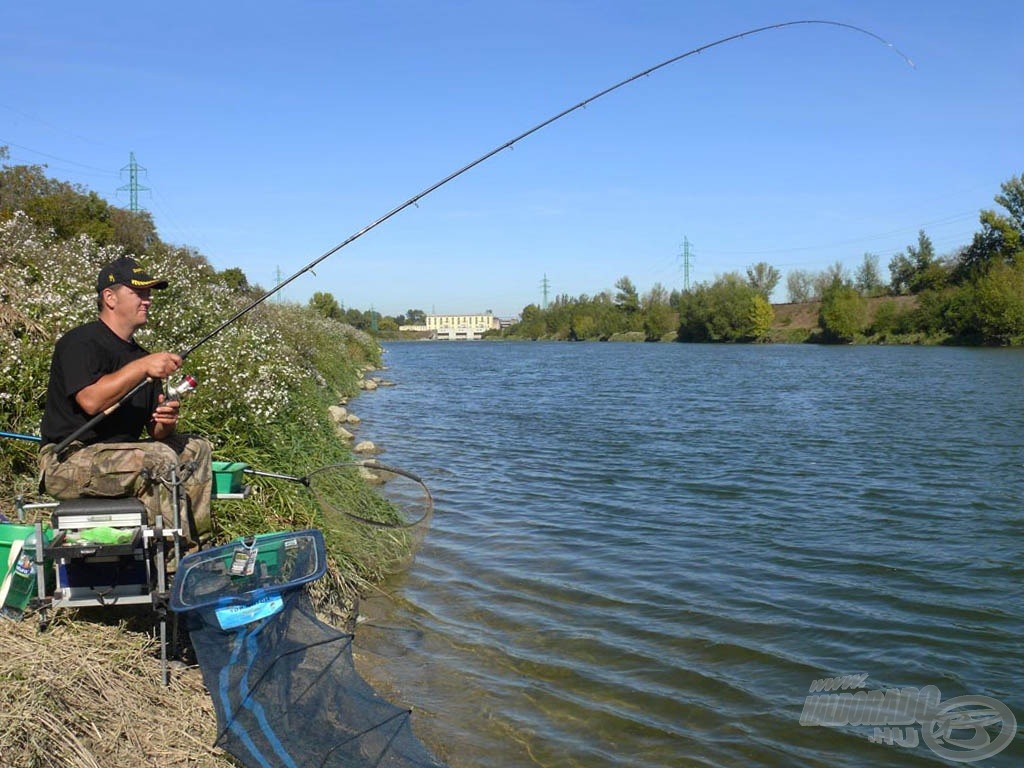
[646, 554]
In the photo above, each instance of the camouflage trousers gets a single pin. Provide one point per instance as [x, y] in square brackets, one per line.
[142, 469]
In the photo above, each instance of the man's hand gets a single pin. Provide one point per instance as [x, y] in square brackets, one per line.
[160, 365]
[165, 418]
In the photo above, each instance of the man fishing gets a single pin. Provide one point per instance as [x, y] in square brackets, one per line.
[94, 366]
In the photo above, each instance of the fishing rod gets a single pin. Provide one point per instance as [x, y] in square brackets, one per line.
[469, 166]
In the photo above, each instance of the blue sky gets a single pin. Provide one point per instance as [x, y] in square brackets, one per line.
[270, 132]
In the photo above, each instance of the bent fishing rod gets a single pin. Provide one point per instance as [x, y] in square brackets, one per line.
[469, 166]
[511, 142]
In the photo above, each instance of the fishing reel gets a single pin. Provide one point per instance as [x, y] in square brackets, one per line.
[183, 387]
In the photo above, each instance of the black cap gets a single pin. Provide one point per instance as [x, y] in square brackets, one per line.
[126, 271]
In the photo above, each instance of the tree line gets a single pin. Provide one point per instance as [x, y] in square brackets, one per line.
[974, 295]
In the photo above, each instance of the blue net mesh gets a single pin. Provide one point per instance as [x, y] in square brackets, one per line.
[283, 683]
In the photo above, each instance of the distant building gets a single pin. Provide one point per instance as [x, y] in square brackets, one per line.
[456, 327]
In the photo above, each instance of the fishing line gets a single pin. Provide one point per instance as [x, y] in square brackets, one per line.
[455, 174]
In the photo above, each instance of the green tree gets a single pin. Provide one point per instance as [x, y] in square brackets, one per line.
[693, 314]
[607, 315]
[627, 298]
[415, 317]
[356, 318]
[20, 184]
[999, 304]
[234, 278]
[325, 305]
[868, 279]
[762, 315]
[763, 278]
[582, 327]
[658, 318]
[69, 211]
[918, 270]
[930, 272]
[531, 324]
[842, 313]
[885, 321]
[1001, 237]
[924, 254]
[133, 230]
[727, 310]
[901, 274]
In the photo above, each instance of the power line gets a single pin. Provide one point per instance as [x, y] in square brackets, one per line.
[104, 171]
[951, 219]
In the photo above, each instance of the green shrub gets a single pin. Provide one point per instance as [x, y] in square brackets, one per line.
[842, 313]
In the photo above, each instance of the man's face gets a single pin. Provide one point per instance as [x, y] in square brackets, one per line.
[131, 304]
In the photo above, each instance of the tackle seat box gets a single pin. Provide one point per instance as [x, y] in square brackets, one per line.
[89, 572]
[79, 514]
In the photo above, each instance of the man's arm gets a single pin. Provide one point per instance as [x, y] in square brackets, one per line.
[109, 389]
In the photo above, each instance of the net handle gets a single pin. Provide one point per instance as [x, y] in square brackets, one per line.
[364, 463]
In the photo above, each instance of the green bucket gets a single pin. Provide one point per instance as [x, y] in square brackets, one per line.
[227, 477]
[17, 565]
[9, 534]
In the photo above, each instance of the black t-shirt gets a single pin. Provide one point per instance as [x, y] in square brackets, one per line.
[80, 358]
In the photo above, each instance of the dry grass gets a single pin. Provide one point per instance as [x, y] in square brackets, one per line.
[85, 694]
[802, 316]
